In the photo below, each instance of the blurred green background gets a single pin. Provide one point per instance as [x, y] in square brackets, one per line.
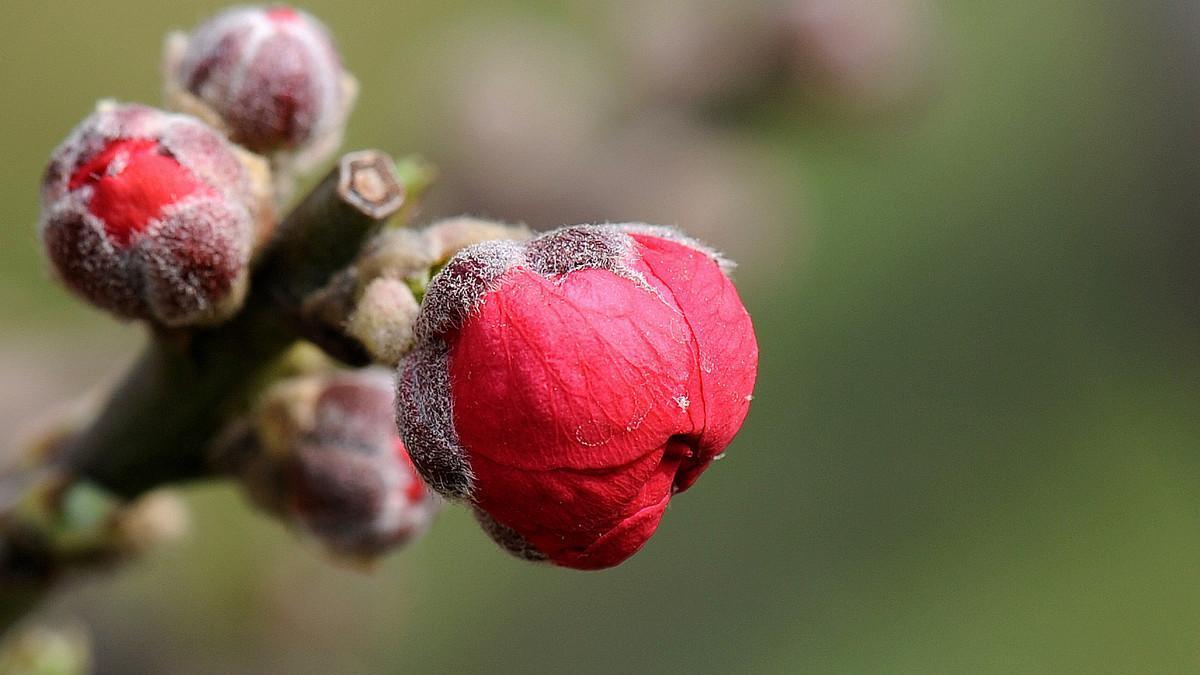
[974, 441]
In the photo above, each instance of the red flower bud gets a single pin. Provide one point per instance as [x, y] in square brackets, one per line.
[270, 75]
[329, 458]
[570, 385]
[150, 215]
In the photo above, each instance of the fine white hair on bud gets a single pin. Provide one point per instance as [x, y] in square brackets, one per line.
[270, 76]
[152, 215]
[370, 309]
[322, 452]
[383, 319]
[568, 386]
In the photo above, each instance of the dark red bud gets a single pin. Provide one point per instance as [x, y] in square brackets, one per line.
[335, 465]
[272, 75]
[150, 215]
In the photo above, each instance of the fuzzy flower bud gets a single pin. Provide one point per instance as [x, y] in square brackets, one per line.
[152, 215]
[369, 309]
[383, 319]
[324, 453]
[397, 262]
[270, 76]
[569, 386]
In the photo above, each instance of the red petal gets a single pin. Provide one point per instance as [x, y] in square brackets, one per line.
[133, 180]
[726, 349]
[584, 401]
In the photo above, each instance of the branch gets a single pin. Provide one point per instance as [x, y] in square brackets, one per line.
[159, 422]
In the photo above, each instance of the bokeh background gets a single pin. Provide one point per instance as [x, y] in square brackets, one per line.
[968, 236]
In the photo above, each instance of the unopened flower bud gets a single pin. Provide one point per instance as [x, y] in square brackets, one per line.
[270, 76]
[398, 253]
[370, 308]
[447, 237]
[569, 386]
[152, 215]
[410, 255]
[329, 459]
[383, 319]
